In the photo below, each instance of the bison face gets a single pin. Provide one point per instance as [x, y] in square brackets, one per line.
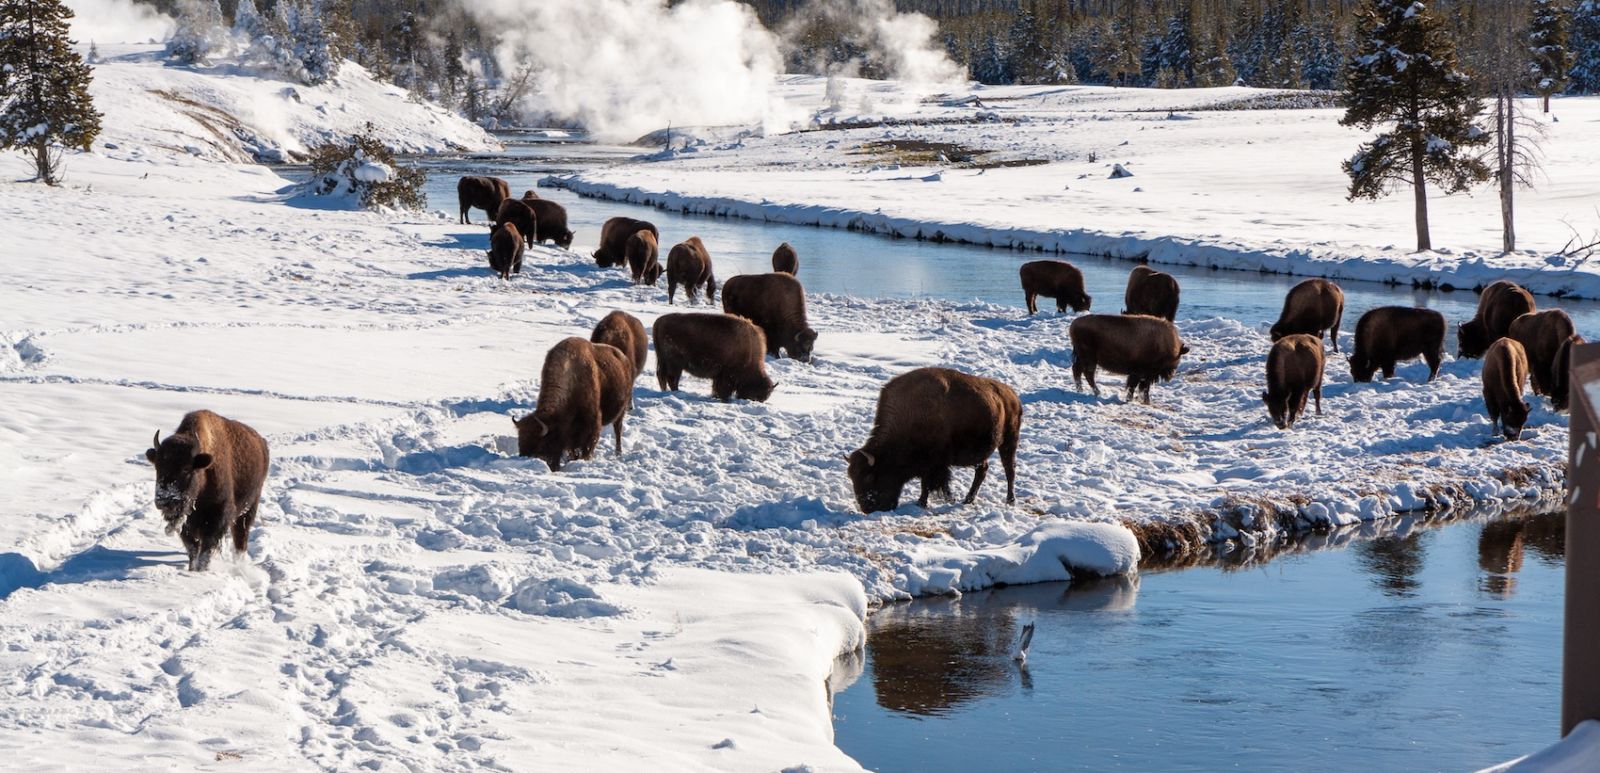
[534, 439]
[1470, 341]
[1276, 332]
[1278, 408]
[178, 462]
[1082, 302]
[804, 340]
[1515, 418]
[1361, 368]
[565, 242]
[874, 490]
[758, 391]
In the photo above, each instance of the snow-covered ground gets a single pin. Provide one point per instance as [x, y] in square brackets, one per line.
[416, 596]
[1220, 178]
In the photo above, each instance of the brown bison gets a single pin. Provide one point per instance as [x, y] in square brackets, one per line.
[928, 421]
[505, 250]
[1499, 304]
[582, 388]
[642, 251]
[1391, 334]
[1151, 292]
[1505, 368]
[689, 264]
[616, 387]
[208, 482]
[518, 213]
[785, 260]
[1311, 307]
[1054, 279]
[614, 235]
[1294, 370]
[626, 332]
[550, 219]
[777, 303]
[1542, 334]
[485, 193]
[1561, 373]
[1142, 347]
[728, 350]
[530, 195]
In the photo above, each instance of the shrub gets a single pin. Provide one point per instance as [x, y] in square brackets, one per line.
[363, 169]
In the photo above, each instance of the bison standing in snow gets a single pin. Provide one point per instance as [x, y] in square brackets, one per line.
[777, 303]
[1542, 335]
[626, 332]
[689, 264]
[1505, 369]
[209, 476]
[505, 250]
[641, 252]
[928, 421]
[1391, 334]
[614, 235]
[1499, 304]
[1294, 371]
[729, 350]
[582, 387]
[785, 260]
[550, 220]
[1151, 292]
[518, 213]
[1561, 373]
[1053, 279]
[485, 193]
[1311, 307]
[1142, 347]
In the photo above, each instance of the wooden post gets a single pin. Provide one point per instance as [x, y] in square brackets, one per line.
[1580, 675]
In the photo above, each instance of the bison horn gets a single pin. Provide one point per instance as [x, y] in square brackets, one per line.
[157, 442]
[872, 461]
[543, 430]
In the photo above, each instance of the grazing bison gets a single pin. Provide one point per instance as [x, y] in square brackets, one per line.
[485, 193]
[626, 332]
[566, 422]
[1294, 370]
[1542, 334]
[689, 264]
[1505, 368]
[641, 251]
[616, 387]
[1151, 292]
[505, 250]
[1499, 304]
[551, 221]
[928, 421]
[1390, 334]
[728, 350]
[1054, 279]
[208, 482]
[614, 235]
[1311, 307]
[518, 213]
[785, 260]
[1561, 373]
[1142, 347]
[777, 303]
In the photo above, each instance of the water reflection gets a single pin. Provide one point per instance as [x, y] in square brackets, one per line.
[1394, 562]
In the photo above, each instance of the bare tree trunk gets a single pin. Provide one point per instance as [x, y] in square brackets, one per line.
[44, 166]
[1419, 185]
[1547, 103]
[1505, 158]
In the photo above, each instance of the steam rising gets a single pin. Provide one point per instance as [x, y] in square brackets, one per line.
[117, 21]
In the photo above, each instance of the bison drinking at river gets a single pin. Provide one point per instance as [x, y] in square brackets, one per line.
[1053, 279]
[1499, 304]
[1151, 292]
[777, 303]
[1391, 334]
[614, 235]
[729, 350]
[1311, 307]
[689, 264]
[485, 193]
[1142, 347]
[1294, 371]
[208, 482]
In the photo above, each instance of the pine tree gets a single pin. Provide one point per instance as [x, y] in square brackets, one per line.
[1585, 46]
[199, 34]
[247, 22]
[1405, 74]
[1548, 56]
[44, 85]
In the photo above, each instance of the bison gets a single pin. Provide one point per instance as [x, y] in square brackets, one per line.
[1142, 347]
[1542, 334]
[641, 251]
[1311, 307]
[582, 388]
[208, 482]
[727, 349]
[1561, 373]
[777, 303]
[614, 237]
[928, 421]
[530, 195]
[626, 332]
[1499, 304]
[616, 387]
[785, 260]
[689, 264]
[1294, 370]
[1151, 292]
[550, 220]
[518, 213]
[1390, 334]
[1054, 279]
[485, 193]
[1505, 368]
[505, 250]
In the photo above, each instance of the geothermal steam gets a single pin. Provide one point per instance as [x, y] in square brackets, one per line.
[117, 21]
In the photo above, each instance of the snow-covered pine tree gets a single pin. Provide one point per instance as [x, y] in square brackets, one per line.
[247, 22]
[1405, 75]
[1548, 56]
[1585, 46]
[200, 33]
[44, 85]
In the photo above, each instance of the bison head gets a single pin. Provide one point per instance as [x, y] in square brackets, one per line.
[565, 242]
[800, 347]
[1362, 367]
[758, 390]
[535, 439]
[1277, 331]
[1278, 408]
[1514, 419]
[876, 489]
[1079, 302]
[179, 464]
[1472, 339]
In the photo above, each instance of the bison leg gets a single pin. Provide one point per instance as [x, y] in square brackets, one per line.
[672, 289]
[1388, 370]
[1032, 305]
[722, 388]
[1318, 393]
[618, 427]
[978, 474]
[1145, 389]
[1008, 461]
[191, 546]
[1133, 387]
[1433, 358]
[1083, 371]
[241, 528]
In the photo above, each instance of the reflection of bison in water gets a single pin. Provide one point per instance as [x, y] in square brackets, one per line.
[689, 264]
[614, 235]
[1053, 279]
[1151, 292]
[785, 260]
[550, 220]
[1311, 307]
[1499, 304]
[1542, 335]
[729, 350]
[1505, 369]
[505, 250]
[1143, 348]
[208, 482]
[1391, 334]
[582, 387]
[777, 303]
[485, 193]
[928, 421]
[641, 251]
[1294, 371]
[626, 332]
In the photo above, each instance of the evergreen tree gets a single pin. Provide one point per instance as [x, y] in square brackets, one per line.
[44, 85]
[1405, 74]
[247, 22]
[1548, 57]
[1585, 46]
[199, 34]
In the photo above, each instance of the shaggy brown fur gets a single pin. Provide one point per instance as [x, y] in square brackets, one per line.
[550, 219]
[616, 387]
[785, 260]
[1542, 334]
[485, 193]
[1561, 373]
[565, 424]
[1053, 279]
[1311, 307]
[1294, 370]
[1142, 347]
[1498, 305]
[626, 332]
[505, 250]
[1505, 368]
[614, 235]
[1391, 334]
[530, 195]
[929, 420]
[642, 251]
[1151, 292]
[728, 350]
[777, 303]
[209, 476]
[689, 264]
[518, 213]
